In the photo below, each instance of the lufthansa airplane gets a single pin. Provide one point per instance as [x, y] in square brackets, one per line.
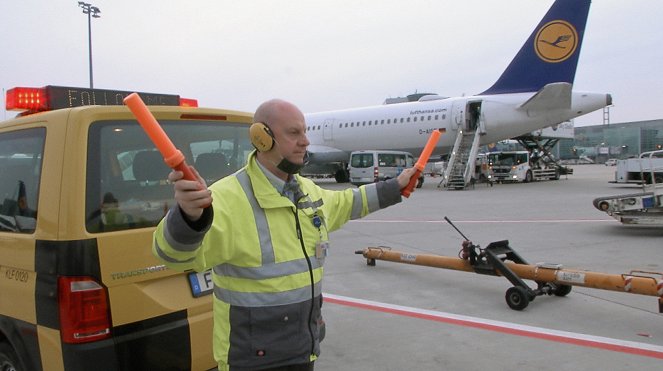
[534, 92]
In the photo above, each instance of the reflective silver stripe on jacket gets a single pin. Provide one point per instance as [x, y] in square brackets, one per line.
[174, 244]
[265, 299]
[266, 271]
[269, 268]
[167, 258]
[266, 248]
[371, 196]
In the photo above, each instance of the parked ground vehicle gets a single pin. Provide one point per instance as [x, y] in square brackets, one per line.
[646, 207]
[611, 162]
[519, 166]
[642, 169]
[81, 191]
[373, 165]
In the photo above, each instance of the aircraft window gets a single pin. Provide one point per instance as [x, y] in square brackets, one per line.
[363, 123]
[346, 124]
[429, 117]
[388, 121]
[422, 118]
[415, 119]
[402, 120]
[318, 127]
[444, 115]
[408, 119]
[369, 123]
[352, 124]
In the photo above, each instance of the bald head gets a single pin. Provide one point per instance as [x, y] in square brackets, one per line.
[288, 126]
[276, 112]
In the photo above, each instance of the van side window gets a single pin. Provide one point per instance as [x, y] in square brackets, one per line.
[21, 155]
[126, 185]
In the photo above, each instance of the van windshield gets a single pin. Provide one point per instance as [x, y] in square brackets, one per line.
[127, 178]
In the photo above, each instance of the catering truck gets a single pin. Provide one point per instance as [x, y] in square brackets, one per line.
[82, 188]
[519, 166]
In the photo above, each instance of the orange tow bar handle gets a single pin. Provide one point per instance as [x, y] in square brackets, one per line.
[172, 156]
[421, 162]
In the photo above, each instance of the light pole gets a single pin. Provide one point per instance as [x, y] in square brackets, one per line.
[92, 12]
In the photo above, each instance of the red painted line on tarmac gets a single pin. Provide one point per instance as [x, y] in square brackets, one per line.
[615, 345]
[486, 221]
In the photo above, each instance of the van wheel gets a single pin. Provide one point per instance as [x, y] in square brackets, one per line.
[420, 182]
[8, 358]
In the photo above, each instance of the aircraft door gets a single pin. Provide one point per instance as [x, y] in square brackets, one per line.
[458, 112]
[474, 117]
[327, 130]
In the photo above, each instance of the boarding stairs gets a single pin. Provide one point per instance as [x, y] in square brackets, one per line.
[460, 168]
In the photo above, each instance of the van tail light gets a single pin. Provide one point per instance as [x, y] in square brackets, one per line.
[84, 310]
[376, 173]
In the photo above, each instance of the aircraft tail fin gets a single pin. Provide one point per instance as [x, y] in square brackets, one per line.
[551, 52]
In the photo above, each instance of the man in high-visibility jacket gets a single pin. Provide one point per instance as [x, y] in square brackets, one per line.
[265, 237]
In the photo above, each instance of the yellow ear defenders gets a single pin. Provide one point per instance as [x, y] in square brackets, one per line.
[261, 136]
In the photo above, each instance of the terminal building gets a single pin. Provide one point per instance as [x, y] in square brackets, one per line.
[620, 140]
[598, 143]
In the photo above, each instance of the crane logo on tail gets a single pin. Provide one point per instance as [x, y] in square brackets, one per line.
[556, 41]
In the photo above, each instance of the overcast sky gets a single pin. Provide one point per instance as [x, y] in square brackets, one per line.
[322, 55]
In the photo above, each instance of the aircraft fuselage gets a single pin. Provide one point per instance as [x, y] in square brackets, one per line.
[407, 126]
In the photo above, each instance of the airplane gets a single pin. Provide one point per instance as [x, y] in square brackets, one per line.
[533, 92]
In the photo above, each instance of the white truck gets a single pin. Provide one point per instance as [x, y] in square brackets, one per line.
[519, 166]
[640, 170]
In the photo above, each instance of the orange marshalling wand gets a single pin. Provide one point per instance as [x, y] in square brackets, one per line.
[172, 156]
[421, 162]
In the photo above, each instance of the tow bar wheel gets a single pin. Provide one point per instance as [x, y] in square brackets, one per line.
[517, 298]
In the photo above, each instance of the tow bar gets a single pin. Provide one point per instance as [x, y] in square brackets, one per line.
[499, 259]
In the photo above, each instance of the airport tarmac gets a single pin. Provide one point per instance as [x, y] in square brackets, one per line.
[402, 317]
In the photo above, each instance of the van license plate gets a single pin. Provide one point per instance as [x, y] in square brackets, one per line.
[201, 283]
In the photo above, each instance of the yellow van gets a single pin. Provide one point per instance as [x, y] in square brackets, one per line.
[81, 190]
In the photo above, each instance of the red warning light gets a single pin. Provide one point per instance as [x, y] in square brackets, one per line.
[31, 99]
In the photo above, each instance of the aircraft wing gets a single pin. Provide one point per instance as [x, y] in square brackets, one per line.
[552, 96]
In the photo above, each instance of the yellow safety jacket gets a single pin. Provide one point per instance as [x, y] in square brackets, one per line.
[262, 250]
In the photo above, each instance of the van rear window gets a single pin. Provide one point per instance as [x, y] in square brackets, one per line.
[361, 160]
[21, 154]
[127, 178]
